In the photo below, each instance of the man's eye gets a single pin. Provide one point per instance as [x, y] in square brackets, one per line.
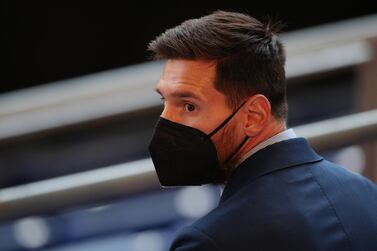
[189, 107]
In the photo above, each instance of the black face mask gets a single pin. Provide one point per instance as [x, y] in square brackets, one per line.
[184, 156]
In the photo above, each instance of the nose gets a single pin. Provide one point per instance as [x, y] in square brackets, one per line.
[169, 114]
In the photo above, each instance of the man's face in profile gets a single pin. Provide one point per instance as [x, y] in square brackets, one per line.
[190, 98]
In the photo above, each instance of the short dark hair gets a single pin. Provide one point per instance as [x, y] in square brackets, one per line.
[248, 54]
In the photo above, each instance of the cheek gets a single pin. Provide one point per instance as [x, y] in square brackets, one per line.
[225, 141]
[206, 121]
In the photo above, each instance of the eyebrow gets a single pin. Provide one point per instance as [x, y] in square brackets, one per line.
[181, 94]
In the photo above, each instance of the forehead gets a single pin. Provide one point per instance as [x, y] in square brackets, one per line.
[195, 74]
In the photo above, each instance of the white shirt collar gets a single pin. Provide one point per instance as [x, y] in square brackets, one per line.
[284, 135]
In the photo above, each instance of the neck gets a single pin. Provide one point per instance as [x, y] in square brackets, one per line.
[270, 130]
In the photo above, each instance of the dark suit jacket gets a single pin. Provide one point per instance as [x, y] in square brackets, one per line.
[286, 197]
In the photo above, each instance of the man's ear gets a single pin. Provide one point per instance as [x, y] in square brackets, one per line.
[258, 113]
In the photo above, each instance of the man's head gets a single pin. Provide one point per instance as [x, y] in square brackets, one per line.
[214, 64]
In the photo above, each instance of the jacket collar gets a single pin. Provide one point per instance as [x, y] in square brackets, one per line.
[284, 154]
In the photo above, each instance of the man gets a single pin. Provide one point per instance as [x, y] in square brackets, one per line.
[224, 120]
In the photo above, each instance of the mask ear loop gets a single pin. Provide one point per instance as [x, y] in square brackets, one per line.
[237, 149]
[226, 121]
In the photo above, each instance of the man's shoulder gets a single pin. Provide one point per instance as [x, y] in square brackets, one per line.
[330, 175]
[297, 203]
[224, 228]
[214, 231]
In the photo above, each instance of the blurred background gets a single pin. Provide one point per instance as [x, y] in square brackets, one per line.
[77, 110]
